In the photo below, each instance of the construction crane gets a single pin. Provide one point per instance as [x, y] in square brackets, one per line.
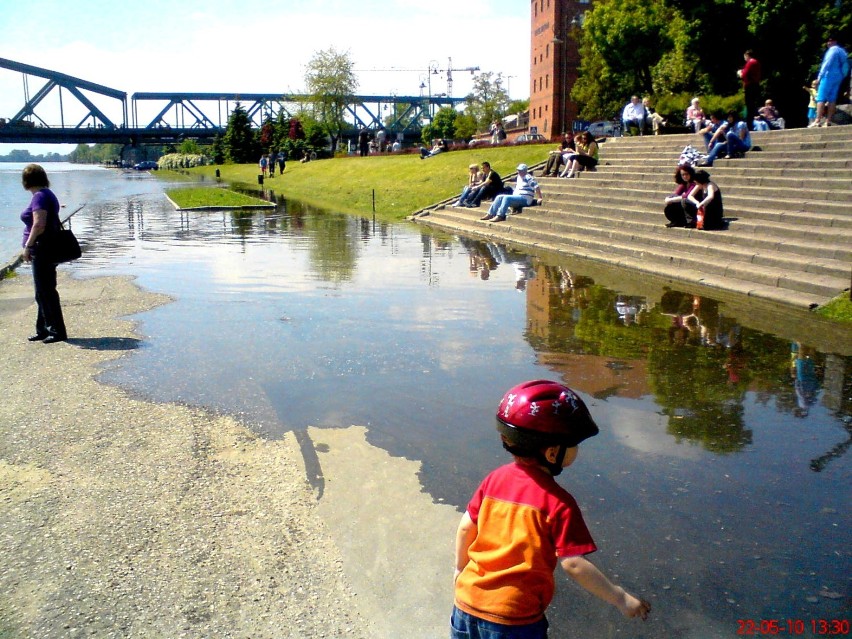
[450, 70]
[432, 69]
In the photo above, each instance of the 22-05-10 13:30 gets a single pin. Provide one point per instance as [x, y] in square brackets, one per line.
[793, 627]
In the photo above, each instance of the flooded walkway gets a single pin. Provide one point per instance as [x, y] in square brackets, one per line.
[725, 427]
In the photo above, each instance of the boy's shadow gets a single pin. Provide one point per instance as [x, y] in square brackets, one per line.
[106, 343]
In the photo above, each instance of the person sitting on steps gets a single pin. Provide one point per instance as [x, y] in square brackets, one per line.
[737, 140]
[677, 202]
[633, 116]
[490, 187]
[652, 118]
[526, 188]
[586, 156]
[557, 156]
[707, 200]
[695, 115]
[474, 178]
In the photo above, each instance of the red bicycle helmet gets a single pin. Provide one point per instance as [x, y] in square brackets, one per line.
[541, 413]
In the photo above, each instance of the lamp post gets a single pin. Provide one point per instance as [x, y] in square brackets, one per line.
[432, 70]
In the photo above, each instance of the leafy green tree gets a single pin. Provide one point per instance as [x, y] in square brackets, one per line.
[629, 47]
[443, 125]
[466, 126]
[670, 47]
[217, 150]
[488, 101]
[238, 141]
[331, 82]
[189, 147]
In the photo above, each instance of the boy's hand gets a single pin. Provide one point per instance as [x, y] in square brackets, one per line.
[633, 607]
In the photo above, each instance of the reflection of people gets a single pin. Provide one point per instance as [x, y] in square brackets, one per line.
[520, 523]
[805, 381]
[41, 217]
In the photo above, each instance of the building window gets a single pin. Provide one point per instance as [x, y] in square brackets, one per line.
[547, 81]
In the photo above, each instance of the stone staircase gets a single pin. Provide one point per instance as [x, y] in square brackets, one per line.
[789, 207]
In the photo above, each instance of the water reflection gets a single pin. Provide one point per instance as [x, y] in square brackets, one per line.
[711, 424]
[696, 362]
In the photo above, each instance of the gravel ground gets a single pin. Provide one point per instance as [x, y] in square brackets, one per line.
[123, 518]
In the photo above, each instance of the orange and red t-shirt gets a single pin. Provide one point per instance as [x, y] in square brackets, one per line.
[524, 521]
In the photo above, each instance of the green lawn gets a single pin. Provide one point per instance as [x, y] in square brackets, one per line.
[403, 184]
[190, 198]
[839, 309]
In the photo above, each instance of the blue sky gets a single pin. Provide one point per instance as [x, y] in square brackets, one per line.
[239, 46]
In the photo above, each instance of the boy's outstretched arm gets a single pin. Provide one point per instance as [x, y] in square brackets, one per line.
[465, 535]
[589, 577]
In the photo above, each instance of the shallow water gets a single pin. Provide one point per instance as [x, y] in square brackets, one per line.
[719, 485]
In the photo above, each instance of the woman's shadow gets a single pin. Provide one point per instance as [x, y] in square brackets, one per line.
[106, 343]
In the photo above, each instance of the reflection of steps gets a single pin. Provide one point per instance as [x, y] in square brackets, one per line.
[790, 206]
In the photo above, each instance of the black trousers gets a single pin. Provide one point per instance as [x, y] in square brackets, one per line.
[49, 320]
[752, 100]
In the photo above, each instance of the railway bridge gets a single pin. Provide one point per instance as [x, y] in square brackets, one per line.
[70, 110]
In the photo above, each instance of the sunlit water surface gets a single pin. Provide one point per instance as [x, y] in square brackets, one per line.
[719, 486]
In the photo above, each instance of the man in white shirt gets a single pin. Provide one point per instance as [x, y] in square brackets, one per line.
[634, 115]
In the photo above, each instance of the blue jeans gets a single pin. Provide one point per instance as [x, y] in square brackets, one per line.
[732, 145]
[502, 203]
[463, 197]
[465, 626]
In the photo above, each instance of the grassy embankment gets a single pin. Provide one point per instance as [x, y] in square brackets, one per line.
[839, 309]
[403, 184]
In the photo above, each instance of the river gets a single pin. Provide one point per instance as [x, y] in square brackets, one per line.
[720, 482]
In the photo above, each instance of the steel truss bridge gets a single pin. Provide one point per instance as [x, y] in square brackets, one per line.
[78, 112]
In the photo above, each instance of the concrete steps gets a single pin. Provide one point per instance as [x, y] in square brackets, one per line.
[790, 219]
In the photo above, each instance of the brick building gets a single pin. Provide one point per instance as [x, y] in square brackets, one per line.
[554, 64]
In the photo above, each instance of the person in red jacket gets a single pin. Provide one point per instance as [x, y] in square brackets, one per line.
[520, 523]
[750, 75]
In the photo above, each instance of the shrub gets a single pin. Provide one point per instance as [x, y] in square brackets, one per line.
[175, 161]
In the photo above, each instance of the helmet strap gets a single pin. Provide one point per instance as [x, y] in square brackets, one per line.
[555, 466]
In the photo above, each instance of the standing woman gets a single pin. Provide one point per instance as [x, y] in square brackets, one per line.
[40, 217]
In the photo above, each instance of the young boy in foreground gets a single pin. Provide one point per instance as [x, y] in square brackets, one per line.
[520, 522]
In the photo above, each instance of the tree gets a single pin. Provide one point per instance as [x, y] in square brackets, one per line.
[331, 83]
[488, 101]
[443, 125]
[238, 141]
[671, 47]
